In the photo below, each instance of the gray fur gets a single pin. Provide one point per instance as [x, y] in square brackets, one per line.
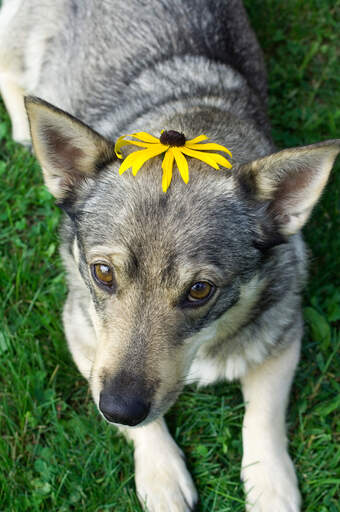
[139, 43]
[193, 66]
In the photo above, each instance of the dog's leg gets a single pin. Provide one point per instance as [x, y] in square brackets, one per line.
[13, 97]
[267, 470]
[12, 69]
[162, 480]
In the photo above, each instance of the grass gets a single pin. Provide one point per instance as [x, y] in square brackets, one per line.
[55, 452]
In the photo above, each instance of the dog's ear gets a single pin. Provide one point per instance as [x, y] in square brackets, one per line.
[67, 149]
[291, 181]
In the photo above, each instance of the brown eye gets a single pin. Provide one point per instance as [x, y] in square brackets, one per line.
[103, 274]
[200, 291]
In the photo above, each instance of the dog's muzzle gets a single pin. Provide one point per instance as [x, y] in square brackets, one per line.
[127, 410]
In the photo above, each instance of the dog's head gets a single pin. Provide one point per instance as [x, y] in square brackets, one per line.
[161, 269]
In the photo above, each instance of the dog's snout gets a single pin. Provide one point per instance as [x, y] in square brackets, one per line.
[127, 410]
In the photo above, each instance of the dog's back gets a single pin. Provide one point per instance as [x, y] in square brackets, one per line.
[91, 59]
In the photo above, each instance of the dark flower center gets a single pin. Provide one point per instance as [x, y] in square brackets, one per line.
[172, 138]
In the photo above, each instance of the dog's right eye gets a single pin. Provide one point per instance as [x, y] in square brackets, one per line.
[103, 275]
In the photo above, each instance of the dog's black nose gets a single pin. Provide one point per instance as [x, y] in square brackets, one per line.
[127, 411]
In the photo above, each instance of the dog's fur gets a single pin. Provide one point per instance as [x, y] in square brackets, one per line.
[192, 66]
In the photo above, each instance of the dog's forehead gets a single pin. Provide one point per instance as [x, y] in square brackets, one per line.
[204, 222]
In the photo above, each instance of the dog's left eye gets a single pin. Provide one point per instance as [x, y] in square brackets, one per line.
[200, 292]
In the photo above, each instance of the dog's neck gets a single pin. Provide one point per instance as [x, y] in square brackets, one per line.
[188, 93]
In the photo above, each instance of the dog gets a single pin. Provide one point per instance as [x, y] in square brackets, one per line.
[201, 283]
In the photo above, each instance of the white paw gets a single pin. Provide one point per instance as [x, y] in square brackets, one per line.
[271, 485]
[162, 480]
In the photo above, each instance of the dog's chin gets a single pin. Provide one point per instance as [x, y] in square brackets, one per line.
[149, 419]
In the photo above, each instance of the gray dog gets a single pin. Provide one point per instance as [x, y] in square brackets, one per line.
[201, 283]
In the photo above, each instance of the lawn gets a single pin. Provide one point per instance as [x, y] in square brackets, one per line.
[56, 454]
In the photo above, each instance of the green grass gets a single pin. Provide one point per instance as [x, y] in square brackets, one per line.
[55, 452]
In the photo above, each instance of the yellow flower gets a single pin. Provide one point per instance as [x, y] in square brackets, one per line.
[175, 146]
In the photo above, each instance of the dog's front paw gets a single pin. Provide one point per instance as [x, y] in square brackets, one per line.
[162, 480]
[271, 485]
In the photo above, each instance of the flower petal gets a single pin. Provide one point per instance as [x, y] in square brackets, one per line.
[182, 164]
[145, 155]
[167, 166]
[205, 157]
[209, 147]
[123, 142]
[138, 158]
[219, 159]
[119, 143]
[129, 160]
[196, 139]
[145, 137]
